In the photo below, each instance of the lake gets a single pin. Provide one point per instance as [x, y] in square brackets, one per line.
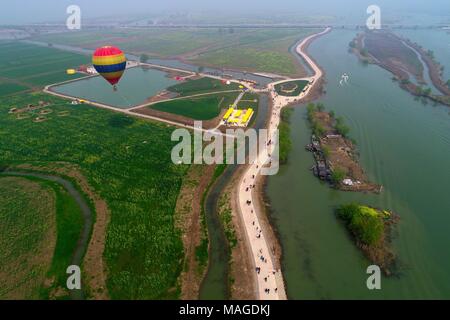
[405, 146]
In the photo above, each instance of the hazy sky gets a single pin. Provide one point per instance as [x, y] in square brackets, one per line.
[28, 11]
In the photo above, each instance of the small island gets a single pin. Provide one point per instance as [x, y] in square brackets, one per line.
[406, 60]
[335, 153]
[371, 229]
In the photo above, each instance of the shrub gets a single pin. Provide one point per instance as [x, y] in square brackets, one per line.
[366, 227]
[338, 175]
[144, 58]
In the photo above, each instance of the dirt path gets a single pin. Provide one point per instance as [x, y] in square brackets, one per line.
[269, 277]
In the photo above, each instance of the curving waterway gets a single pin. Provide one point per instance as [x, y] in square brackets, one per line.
[405, 146]
[88, 219]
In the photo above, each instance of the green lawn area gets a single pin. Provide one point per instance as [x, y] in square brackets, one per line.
[127, 161]
[292, 88]
[40, 224]
[26, 66]
[200, 86]
[27, 229]
[249, 100]
[199, 108]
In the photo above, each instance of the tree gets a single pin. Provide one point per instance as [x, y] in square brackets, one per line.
[200, 69]
[342, 129]
[367, 228]
[405, 81]
[144, 58]
[337, 176]
[448, 83]
[326, 152]
[320, 107]
[419, 91]
[332, 114]
[364, 52]
[310, 110]
[317, 129]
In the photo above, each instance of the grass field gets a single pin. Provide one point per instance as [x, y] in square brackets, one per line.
[249, 100]
[25, 66]
[155, 42]
[291, 88]
[266, 50]
[200, 86]
[127, 162]
[198, 108]
[263, 50]
[27, 236]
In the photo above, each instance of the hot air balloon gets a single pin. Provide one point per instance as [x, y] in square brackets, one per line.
[110, 62]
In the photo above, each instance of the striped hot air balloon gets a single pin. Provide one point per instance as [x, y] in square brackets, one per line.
[110, 62]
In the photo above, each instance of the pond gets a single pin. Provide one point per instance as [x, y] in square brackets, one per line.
[136, 87]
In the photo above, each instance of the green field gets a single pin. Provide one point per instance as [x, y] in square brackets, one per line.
[199, 108]
[27, 236]
[249, 100]
[201, 86]
[155, 42]
[10, 88]
[260, 49]
[25, 66]
[127, 162]
[265, 50]
[40, 227]
[291, 88]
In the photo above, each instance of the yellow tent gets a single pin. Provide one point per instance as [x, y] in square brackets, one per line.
[71, 71]
[228, 114]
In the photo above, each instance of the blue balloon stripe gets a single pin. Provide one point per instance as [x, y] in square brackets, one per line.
[110, 68]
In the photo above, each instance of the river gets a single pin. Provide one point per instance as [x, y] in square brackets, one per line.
[405, 146]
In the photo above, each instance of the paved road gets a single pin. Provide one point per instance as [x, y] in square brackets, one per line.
[268, 277]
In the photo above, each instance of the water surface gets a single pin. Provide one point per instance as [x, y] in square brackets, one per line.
[405, 146]
[135, 87]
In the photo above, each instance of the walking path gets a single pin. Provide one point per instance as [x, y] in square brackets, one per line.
[270, 284]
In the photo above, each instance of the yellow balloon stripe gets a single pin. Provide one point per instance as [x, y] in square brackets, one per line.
[109, 60]
[112, 75]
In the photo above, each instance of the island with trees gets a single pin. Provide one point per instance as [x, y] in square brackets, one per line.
[371, 229]
[335, 153]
